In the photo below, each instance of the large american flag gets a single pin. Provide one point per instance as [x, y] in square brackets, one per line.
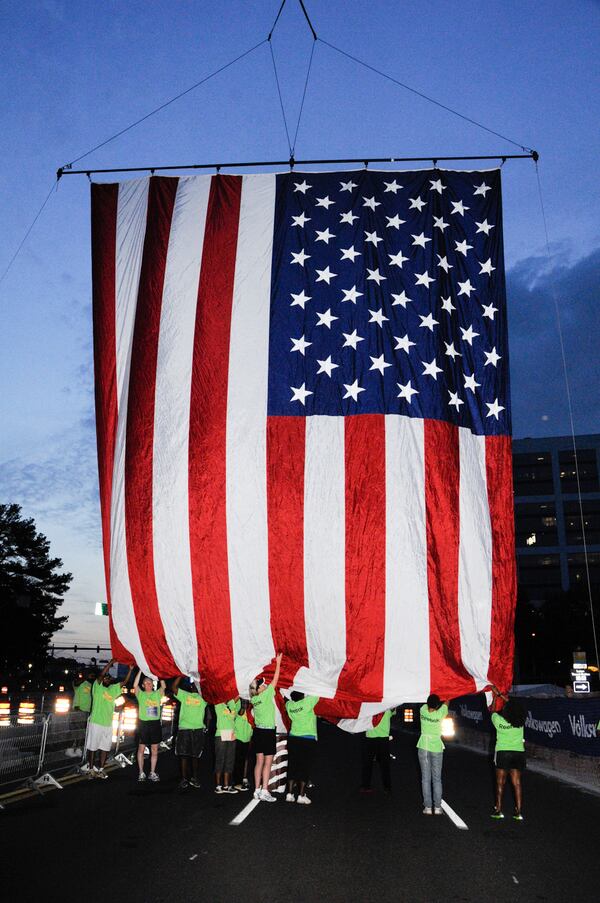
[303, 420]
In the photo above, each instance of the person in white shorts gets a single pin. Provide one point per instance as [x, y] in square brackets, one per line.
[99, 732]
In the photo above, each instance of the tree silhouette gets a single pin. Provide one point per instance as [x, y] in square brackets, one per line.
[31, 590]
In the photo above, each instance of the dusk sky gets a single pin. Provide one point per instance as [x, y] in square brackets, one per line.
[75, 73]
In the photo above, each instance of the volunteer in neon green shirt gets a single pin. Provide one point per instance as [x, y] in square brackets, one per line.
[375, 747]
[302, 742]
[191, 733]
[82, 696]
[149, 726]
[431, 753]
[225, 713]
[509, 755]
[99, 729]
[262, 697]
[243, 734]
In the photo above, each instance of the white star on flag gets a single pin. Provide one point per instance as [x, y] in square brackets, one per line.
[466, 288]
[494, 408]
[489, 310]
[300, 257]
[401, 299]
[325, 275]
[404, 343]
[462, 247]
[483, 227]
[492, 357]
[418, 204]
[325, 202]
[353, 390]
[482, 189]
[458, 207]
[392, 186]
[326, 366]
[396, 260]
[352, 339]
[350, 294]
[326, 318]
[468, 335]
[376, 276]
[348, 186]
[325, 236]
[373, 238]
[420, 240]
[447, 304]
[470, 382]
[300, 220]
[437, 186]
[394, 222]
[451, 351]
[300, 299]
[348, 217]
[428, 321]
[378, 363]
[486, 267]
[423, 279]
[300, 345]
[431, 369]
[377, 317]
[300, 394]
[349, 253]
[455, 400]
[443, 263]
[303, 187]
[371, 202]
[406, 391]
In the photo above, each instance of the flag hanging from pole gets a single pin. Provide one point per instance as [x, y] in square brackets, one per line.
[303, 423]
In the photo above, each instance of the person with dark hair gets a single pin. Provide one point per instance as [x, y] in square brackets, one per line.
[99, 733]
[82, 694]
[509, 755]
[149, 727]
[189, 743]
[225, 746]
[376, 747]
[262, 697]
[301, 744]
[431, 753]
[243, 734]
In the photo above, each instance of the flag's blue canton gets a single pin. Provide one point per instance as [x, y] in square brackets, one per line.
[388, 297]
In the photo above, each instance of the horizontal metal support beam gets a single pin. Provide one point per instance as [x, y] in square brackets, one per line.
[365, 161]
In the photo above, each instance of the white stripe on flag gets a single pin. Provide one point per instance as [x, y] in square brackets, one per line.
[324, 555]
[246, 443]
[170, 502]
[406, 672]
[475, 558]
[131, 229]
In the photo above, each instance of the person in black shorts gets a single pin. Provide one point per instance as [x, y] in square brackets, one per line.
[149, 724]
[189, 743]
[509, 756]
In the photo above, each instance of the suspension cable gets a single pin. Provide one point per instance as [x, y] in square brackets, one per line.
[424, 96]
[165, 104]
[287, 133]
[571, 418]
[312, 53]
[53, 188]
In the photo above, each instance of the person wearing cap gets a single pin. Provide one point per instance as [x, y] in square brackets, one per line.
[225, 713]
[302, 743]
[189, 743]
[431, 753]
[375, 747]
[262, 698]
[149, 727]
[99, 733]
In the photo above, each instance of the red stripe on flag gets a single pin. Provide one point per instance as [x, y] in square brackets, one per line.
[105, 199]
[449, 677]
[207, 454]
[498, 462]
[362, 674]
[140, 428]
[286, 442]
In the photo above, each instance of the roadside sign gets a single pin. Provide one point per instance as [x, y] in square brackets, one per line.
[581, 686]
[101, 609]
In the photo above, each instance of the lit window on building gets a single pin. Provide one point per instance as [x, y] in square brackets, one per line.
[578, 573]
[535, 524]
[588, 470]
[532, 474]
[591, 522]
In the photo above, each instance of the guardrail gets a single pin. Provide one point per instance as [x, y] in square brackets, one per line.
[37, 748]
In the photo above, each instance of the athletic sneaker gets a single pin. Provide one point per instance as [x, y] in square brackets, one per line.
[438, 811]
[183, 785]
[245, 785]
[218, 789]
[85, 769]
[153, 777]
[229, 790]
[257, 793]
[266, 797]
[195, 783]
[290, 798]
[100, 773]
[427, 810]
[141, 777]
[518, 817]
[497, 815]
[304, 800]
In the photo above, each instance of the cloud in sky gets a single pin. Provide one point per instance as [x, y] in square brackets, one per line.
[537, 379]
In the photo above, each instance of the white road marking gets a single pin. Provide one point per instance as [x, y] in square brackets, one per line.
[454, 817]
[244, 813]
[515, 879]
[195, 856]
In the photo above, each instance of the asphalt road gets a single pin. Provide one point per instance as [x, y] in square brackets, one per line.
[116, 840]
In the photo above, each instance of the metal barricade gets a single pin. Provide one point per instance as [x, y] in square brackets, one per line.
[167, 724]
[65, 742]
[22, 742]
